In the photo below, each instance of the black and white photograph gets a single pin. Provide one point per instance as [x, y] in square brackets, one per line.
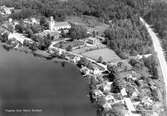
[83, 57]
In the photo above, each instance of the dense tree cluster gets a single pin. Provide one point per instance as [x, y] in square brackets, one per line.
[23, 14]
[1, 19]
[125, 36]
[105, 9]
[84, 62]
[42, 43]
[4, 37]
[152, 65]
[157, 18]
[77, 32]
[44, 23]
[45, 8]
[28, 30]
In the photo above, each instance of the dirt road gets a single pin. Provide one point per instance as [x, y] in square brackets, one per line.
[159, 51]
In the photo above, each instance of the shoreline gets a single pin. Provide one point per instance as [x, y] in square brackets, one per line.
[90, 75]
[53, 81]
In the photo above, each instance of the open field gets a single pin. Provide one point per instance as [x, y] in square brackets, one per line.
[107, 54]
[91, 23]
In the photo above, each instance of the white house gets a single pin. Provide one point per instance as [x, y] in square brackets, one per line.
[85, 70]
[34, 21]
[96, 71]
[107, 86]
[18, 37]
[123, 92]
[97, 93]
[57, 26]
[76, 59]
[31, 21]
[6, 10]
[129, 104]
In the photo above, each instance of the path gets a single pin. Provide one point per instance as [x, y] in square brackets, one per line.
[159, 51]
[91, 60]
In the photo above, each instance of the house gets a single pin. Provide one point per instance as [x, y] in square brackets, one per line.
[123, 92]
[31, 21]
[58, 26]
[19, 37]
[61, 51]
[76, 59]
[96, 71]
[91, 41]
[143, 56]
[129, 104]
[107, 86]
[35, 21]
[85, 70]
[130, 77]
[147, 101]
[6, 10]
[110, 98]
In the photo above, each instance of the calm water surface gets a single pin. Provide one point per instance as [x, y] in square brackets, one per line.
[29, 83]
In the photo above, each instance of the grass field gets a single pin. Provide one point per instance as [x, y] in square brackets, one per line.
[91, 23]
[107, 54]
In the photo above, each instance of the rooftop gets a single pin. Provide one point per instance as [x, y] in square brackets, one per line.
[18, 37]
[61, 24]
[46, 32]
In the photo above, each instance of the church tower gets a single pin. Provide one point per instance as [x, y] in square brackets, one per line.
[51, 24]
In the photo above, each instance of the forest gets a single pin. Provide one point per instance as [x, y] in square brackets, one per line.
[128, 39]
[125, 35]
[105, 9]
[157, 17]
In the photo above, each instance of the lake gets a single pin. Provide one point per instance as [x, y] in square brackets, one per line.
[32, 86]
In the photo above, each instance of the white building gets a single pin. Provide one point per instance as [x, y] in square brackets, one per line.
[31, 21]
[57, 26]
[143, 56]
[85, 70]
[76, 59]
[96, 71]
[123, 92]
[6, 10]
[18, 37]
[97, 93]
[129, 104]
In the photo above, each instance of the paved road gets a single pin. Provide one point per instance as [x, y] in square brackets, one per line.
[160, 53]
